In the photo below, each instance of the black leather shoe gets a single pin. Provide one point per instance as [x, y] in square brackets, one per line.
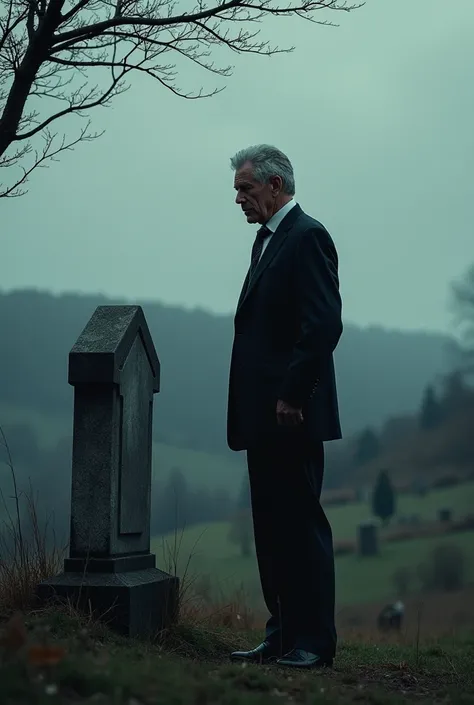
[263, 653]
[298, 658]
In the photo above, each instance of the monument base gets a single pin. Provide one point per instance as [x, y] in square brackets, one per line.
[138, 603]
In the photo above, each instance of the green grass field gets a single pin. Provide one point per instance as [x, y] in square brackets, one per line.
[357, 580]
[199, 467]
[209, 552]
[212, 554]
[459, 499]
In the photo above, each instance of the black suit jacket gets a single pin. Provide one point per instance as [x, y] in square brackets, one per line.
[287, 325]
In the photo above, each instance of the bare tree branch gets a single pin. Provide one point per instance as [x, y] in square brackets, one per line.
[82, 105]
[74, 10]
[462, 306]
[48, 153]
[463, 298]
[93, 30]
[49, 49]
[7, 27]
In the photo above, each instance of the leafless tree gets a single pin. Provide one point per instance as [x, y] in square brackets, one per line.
[463, 307]
[77, 54]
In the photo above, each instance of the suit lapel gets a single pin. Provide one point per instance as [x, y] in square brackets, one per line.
[244, 291]
[276, 241]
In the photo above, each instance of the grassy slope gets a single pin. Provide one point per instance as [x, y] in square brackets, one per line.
[357, 580]
[460, 499]
[199, 467]
[98, 668]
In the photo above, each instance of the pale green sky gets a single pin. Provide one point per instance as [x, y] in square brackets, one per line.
[377, 117]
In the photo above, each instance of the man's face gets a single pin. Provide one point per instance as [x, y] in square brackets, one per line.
[257, 200]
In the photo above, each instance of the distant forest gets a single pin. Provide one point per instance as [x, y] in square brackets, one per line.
[381, 375]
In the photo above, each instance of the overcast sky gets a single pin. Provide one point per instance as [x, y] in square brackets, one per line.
[377, 117]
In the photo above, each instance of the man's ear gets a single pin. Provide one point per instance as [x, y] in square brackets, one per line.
[276, 184]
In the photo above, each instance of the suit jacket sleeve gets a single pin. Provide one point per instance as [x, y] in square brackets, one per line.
[319, 309]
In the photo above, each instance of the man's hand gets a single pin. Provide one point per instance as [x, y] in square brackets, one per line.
[287, 415]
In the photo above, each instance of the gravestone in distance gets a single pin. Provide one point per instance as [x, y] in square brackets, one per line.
[367, 539]
[115, 372]
[445, 515]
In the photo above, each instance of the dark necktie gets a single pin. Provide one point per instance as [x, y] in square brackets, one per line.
[257, 248]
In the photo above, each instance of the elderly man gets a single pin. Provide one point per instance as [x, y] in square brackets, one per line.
[283, 405]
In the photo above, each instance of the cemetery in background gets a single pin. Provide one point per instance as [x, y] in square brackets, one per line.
[402, 530]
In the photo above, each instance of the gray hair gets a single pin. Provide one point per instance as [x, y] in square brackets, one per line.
[267, 161]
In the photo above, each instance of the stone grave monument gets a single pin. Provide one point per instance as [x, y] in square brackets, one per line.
[367, 539]
[115, 372]
[445, 515]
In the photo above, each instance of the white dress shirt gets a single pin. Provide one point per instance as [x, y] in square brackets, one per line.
[276, 219]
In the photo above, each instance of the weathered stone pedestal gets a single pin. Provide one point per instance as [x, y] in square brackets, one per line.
[110, 571]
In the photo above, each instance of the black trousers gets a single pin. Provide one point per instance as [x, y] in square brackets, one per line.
[293, 542]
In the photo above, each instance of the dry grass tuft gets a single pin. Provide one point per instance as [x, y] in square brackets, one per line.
[25, 558]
